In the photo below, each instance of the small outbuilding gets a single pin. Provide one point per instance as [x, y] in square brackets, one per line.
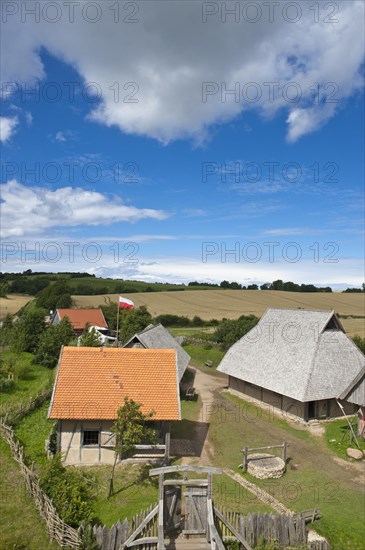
[295, 360]
[79, 318]
[157, 337]
[90, 386]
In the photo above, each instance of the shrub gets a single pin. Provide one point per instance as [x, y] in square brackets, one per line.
[69, 491]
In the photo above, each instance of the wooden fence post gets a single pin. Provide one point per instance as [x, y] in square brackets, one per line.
[283, 453]
[245, 459]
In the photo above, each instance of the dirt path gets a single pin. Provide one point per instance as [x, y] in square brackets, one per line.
[205, 384]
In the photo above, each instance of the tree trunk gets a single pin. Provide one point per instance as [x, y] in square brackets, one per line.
[111, 484]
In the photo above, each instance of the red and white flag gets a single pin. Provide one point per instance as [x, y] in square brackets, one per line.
[124, 303]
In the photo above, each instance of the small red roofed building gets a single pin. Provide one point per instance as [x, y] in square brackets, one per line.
[80, 317]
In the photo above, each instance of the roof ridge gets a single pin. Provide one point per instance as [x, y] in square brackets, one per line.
[311, 369]
[304, 310]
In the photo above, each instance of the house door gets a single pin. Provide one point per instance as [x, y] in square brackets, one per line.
[311, 410]
[172, 508]
[195, 510]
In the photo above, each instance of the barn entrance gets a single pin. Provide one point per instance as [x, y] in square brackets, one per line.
[311, 410]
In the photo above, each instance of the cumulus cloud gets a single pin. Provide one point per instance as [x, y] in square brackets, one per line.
[34, 210]
[7, 128]
[150, 74]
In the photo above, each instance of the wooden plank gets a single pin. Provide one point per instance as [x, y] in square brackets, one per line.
[188, 483]
[142, 525]
[234, 531]
[173, 469]
[292, 531]
[145, 540]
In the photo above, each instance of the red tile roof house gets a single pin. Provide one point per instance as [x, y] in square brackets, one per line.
[90, 386]
[80, 317]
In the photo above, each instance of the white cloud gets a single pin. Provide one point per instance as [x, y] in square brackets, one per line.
[7, 128]
[60, 137]
[34, 210]
[28, 118]
[170, 52]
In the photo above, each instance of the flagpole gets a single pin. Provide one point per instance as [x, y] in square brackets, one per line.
[118, 322]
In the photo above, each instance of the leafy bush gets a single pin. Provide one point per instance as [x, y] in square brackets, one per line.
[22, 370]
[231, 330]
[69, 490]
[360, 342]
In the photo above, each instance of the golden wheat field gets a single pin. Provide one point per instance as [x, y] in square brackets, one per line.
[209, 304]
[12, 304]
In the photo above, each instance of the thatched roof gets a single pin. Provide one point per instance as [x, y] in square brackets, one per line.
[157, 337]
[302, 354]
[355, 392]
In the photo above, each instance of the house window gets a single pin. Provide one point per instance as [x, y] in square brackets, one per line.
[90, 437]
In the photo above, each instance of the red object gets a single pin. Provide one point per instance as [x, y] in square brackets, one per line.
[124, 303]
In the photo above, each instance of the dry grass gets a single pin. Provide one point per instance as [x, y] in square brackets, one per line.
[13, 303]
[231, 304]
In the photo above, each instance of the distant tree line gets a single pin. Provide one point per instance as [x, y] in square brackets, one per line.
[35, 283]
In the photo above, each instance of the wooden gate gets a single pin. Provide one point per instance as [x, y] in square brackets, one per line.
[196, 512]
[172, 508]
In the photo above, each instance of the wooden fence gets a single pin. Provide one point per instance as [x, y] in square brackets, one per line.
[11, 413]
[319, 545]
[58, 530]
[114, 537]
[286, 530]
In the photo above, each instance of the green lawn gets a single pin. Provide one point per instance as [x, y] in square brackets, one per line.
[32, 431]
[337, 437]
[313, 478]
[20, 523]
[199, 355]
[37, 379]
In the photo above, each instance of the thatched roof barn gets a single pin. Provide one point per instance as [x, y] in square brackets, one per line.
[296, 360]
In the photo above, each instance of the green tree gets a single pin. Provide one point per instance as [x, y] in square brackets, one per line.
[130, 429]
[132, 321]
[4, 289]
[51, 342]
[27, 331]
[360, 342]
[54, 295]
[89, 338]
[231, 330]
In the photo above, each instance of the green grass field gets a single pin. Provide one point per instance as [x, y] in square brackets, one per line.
[338, 437]
[38, 378]
[20, 523]
[313, 478]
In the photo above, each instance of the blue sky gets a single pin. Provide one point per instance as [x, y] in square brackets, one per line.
[131, 159]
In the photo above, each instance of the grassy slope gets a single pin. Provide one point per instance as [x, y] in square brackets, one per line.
[30, 533]
[217, 304]
[38, 379]
[21, 526]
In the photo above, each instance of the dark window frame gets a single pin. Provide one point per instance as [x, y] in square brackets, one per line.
[91, 440]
